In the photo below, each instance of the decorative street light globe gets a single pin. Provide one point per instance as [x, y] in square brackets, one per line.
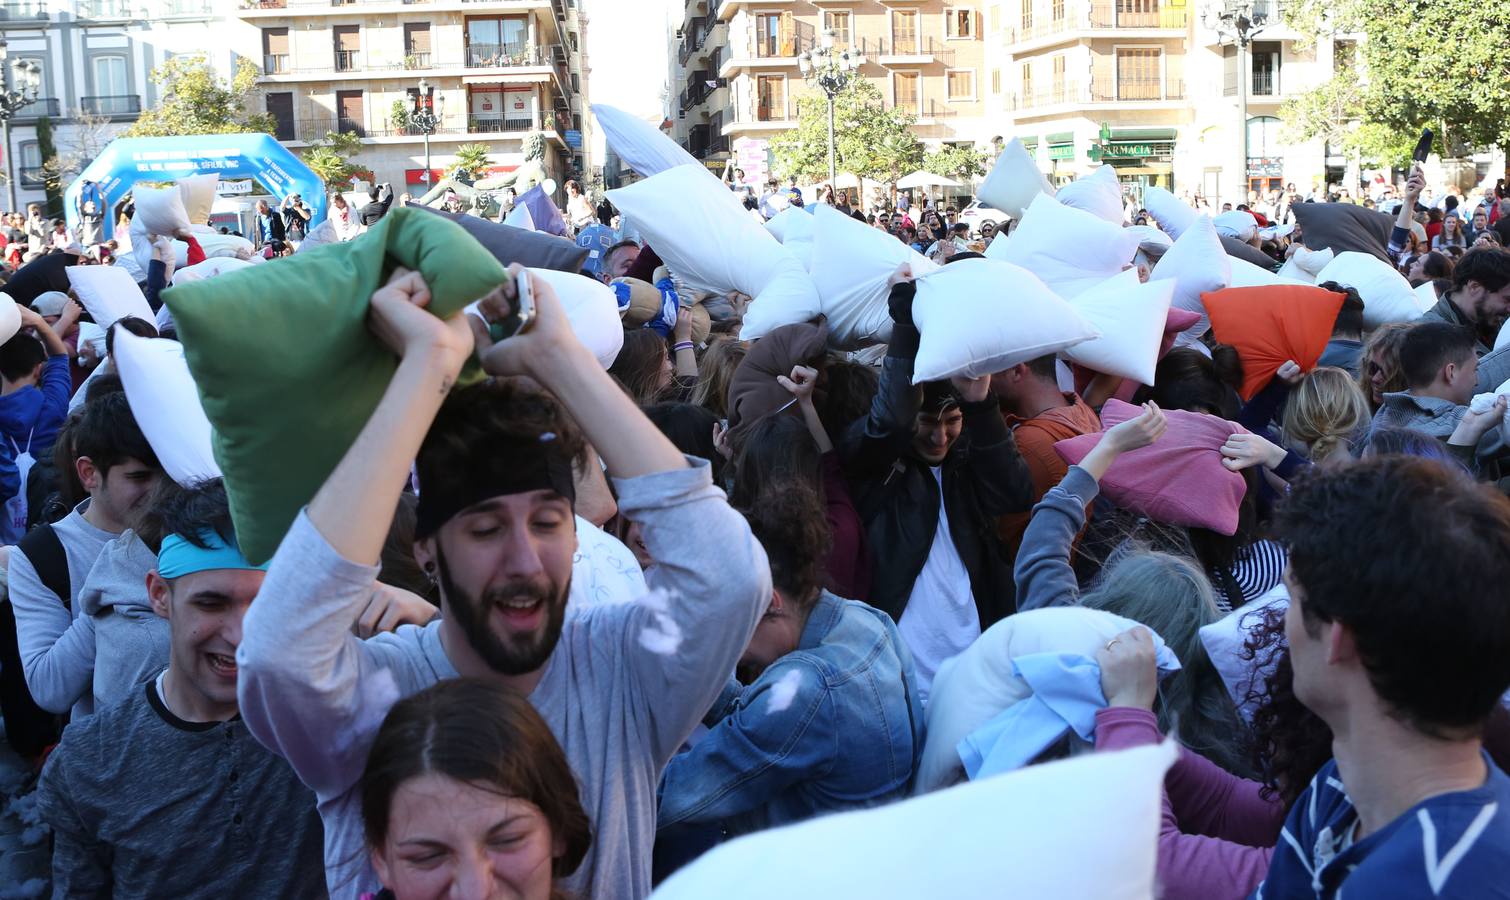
[831, 71]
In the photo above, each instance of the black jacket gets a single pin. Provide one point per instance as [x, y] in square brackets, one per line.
[898, 498]
[374, 211]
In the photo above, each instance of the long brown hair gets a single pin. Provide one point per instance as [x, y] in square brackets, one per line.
[482, 735]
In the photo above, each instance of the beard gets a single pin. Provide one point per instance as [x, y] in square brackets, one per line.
[516, 654]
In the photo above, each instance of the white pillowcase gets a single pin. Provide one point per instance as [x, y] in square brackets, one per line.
[714, 246]
[1023, 834]
[793, 227]
[1173, 214]
[1304, 263]
[161, 210]
[643, 147]
[980, 316]
[109, 293]
[1014, 181]
[1197, 265]
[1502, 340]
[10, 318]
[1236, 224]
[165, 403]
[852, 264]
[1130, 317]
[208, 269]
[520, 217]
[1246, 274]
[593, 310]
[1069, 250]
[198, 193]
[1387, 295]
[1099, 194]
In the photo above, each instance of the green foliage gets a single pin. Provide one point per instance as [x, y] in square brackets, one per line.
[959, 161]
[330, 157]
[871, 139]
[1440, 65]
[398, 115]
[47, 150]
[471, 161]
[196, 101]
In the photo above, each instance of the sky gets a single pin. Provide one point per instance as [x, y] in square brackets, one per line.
[627, 44]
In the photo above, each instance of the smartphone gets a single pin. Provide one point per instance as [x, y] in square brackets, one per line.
[520, 320]
[1423, 146]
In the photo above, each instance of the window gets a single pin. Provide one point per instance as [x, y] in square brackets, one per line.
[1056, 9]
[498, 42]
[571, 38]
[904, 31]
[416, 45]
[995, 81]
[1138, 74]
[961, 84]
[281, 107]
[770, 93]
[349, 113]
[1027, 82]
[838, 23]
[1057, 64]
[1027, 17]
[275, 51]
[1265, 69]
[30, 156]
[907, 88]
[110, 76]
[348, 46]
[993, 18]
[1138, 13]
[1344, 56]
[775, 35]
[959, 22]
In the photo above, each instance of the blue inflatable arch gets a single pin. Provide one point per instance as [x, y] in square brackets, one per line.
[231, 156]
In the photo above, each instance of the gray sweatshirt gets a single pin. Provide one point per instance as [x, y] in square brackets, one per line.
[57, 647]
[627, 683]
[1043, 572]
[130, 639]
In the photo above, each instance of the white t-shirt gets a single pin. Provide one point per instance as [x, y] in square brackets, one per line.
[604, 571]
[940, 620]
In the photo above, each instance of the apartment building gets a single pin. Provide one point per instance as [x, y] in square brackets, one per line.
[499, 70]
[736, 78]
[94, 57]
[1146, 86]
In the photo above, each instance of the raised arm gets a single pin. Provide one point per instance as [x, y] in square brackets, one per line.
[875, 442]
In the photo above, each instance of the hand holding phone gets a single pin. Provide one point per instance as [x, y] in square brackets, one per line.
[1423, 146]
[507, 318]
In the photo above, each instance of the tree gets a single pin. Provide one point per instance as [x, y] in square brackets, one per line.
[90, 135]
[958, 161]
[471, 161]
[871, 139]
[196, 101]
[1440, 65]
[330, 157]
[46, 150]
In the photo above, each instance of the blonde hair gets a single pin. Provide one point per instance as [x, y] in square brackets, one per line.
[1325, 411]
[1384, 340]
[716, 372]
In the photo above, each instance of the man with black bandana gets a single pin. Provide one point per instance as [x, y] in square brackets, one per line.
[621, 686]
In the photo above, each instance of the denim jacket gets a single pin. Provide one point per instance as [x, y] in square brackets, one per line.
[836, 724]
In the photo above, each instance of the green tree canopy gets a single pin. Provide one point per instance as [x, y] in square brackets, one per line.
[871, 139]
[471, 161]
[1440, 65]
[196, 101]
[958, 161]
[330, 158]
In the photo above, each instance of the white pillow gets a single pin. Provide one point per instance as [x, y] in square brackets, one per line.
[208, 269]
[1304, 263]
[1387, 295]
[1130, 317]
[1236, 224]
[165, 403]
[980, 316]
[1099, 194]
[852, 263]
[322, 234]
[520, 217]
[1069, 250]
[161, 210]
[1246, 274]
[643, 147]
[10, 318]
[1028, 833]
[1014, 181]
[1151, 241]
[198, 193]
[715, 247]
[1196, 264]
[592, 309]
[109, 294]
[793, 227]
[1482, 403]
[218, 245]
[1173, 214]
[1225, 638]
[1502, 340]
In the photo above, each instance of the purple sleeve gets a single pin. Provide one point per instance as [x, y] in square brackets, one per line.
[1190, 867]
[1257, 413]
[848, 558]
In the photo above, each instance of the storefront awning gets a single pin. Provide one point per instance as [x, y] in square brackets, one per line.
[1143, 135]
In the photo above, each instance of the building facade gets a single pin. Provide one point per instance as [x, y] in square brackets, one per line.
[89, 63]
[499, 70]
[736, 79]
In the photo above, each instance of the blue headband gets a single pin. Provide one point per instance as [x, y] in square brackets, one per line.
[178, 557]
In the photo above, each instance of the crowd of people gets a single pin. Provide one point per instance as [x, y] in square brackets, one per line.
[560, 631]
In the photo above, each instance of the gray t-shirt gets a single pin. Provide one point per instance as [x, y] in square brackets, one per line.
[143, 804]
[627, 683]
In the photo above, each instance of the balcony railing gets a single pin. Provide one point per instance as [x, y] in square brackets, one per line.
[106, 9]
[275, 64]
[1099, 16]
[908, 47]
[314, 129]
[497, 56]
[43, 106]
[348, 60]
[31, 176]
[114, 105]
[697, 89]
[417, 60]
[346, 125]
[174, 8]
[786, 43]
[1266, 83]
[23, 9]
[1106, 90]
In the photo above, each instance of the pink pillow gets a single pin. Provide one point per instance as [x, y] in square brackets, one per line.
[1178, 479]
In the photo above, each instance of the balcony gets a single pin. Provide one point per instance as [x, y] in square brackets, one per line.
[108, 9]
[114, 105]
[697, 89]
[348, 60]
[781, 45]
[694, 34]
[454, 127]
[417, 60]
[497, 56]
[1107, 90]
[908, 51]
[1262, 85]
[275, 64]
[42, 106]
[22, 10]
[1102, 17]
[177, 9]
[31, 177]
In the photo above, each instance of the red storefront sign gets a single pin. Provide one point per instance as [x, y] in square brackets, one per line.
[417, 176]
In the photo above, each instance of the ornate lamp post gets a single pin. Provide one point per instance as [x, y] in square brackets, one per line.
[12, 101]
[425, 120]
[831, 70]
[1239, 22]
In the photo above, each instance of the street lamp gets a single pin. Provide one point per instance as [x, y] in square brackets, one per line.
[831, 70]
[1239, 22]
[425, 120]
[12, 101]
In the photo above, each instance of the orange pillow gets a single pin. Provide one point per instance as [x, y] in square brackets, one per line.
[1268, 325]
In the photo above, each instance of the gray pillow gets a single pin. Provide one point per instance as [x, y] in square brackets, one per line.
[1344, 227]
[518, 245]
[1249, 253]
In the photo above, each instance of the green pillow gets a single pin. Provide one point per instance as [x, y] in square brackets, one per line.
[287, 369]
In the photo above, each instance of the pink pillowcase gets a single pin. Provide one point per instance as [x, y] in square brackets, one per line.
[1178, 479]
